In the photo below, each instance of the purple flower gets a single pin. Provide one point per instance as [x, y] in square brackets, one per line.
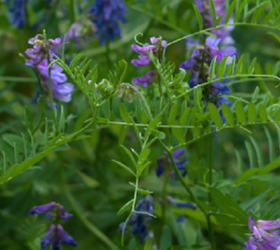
[38, 59]
[17, 13]
[263, 240]
[143, 59]
[43, 208]
[39, 50]
[62, 214]
[106, 14]
[139, 222]
[211, 44]
[147, 79]
[47, 239]
[80, 31]
[56, 235]
[179, 164]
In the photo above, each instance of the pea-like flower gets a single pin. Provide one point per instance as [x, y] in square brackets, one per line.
[38, 60]
[139, 222]
[180, 164]
[106, 14]
[56, 234]
[143, 59]
[265, 237]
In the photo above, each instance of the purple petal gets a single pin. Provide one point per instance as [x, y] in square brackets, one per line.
[62, 214]
[268, 224]
[251, 245]
[43, 208]
[143, 50]
[177, 153]
[144, 60]
[65, 237]
[147, 79]
[47, 239]
[212, 42]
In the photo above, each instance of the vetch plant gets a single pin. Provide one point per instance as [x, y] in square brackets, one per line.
[161, 142]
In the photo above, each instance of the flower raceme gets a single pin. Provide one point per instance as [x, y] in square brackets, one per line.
[56, 234]
[158, 45]
[139, 222]
[106, 14]
[17, 12]
[200, 62]
[38, 60]
[265, 236]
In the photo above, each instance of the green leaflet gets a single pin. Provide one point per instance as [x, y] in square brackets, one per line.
[252, 112]
[125, 207]
[246, 175]
[215, 115]
[198, 16]
[240, 113]
[227, 114]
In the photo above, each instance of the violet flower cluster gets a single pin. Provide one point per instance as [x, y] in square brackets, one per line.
[157, 46]
[205, 10]
[106, 14]
[39, 61]
[265, 237]
[17, 12]
[199, 63]
[180, 164]
[56, 234]
[139, 222]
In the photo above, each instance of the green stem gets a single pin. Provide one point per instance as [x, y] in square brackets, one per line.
[224, 25]
[192, 197]
[132, 210]
[50, 84]
[81, 216]
[211, 233]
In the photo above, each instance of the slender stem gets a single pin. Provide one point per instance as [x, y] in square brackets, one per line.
[50, 84]
[211, 233]
[132, 210]
[169, 151]
[72, 11]
[193, 198]
[79, 213]
[159, 59]
[224, 25]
